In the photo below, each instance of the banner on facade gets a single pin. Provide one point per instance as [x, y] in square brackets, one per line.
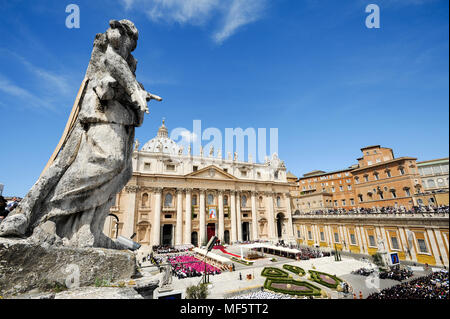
[212, 213]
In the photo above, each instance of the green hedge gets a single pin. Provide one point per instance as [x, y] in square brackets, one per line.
[313, 290]
[247, 263]
[296, 270]
[315, 276]
[272, 272]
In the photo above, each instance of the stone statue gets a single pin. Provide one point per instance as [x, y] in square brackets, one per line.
[181, 150]
[235, 156]
[201, 151]
[70, 201]
[136, 145]
[211, 151]
[189, 150]
[219, 153]
[229, 156]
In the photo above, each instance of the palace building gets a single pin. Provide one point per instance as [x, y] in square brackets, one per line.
[378, 180]
[176, 198]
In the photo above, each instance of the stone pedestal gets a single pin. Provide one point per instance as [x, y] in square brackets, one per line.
[25, 267]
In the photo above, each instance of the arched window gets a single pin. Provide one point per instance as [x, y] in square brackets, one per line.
[244, 201]
[144, 200]
[194, 200]
[210, 199]
[168, 200]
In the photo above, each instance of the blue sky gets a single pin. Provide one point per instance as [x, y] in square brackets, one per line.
[310, 68]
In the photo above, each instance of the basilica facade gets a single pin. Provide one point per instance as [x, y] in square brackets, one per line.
[176, 198]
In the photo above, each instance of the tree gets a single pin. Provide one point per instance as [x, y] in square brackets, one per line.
[197, 292]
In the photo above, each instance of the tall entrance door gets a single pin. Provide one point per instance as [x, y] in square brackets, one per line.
[280, 218]
[245, 231]
[210, 231]
[167, 235]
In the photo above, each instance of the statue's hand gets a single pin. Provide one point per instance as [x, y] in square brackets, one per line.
[140, 99]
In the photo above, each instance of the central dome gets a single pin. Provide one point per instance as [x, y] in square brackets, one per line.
[162, 143]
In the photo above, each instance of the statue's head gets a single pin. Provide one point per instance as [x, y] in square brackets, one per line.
[122, 36]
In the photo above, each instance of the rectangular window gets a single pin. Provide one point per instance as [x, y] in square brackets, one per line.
[366, 178]
[195, 168]
[353, 239]
[422, 245]
[352, 201]
[147, 166]
[336, 237]
[322, 236]
[298, 233]
[170, 167]
[341, 188]
[335, 203]
[407, 192]
[388, 173]
[343, 202]
[372, 241]
[394, 242]
[349, 187]
[309, 235]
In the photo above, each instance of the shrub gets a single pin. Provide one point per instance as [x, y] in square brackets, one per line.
[315, 276]
[312, 290]
[241, 261]
[272, 272]
[296, 270]
[197, 292]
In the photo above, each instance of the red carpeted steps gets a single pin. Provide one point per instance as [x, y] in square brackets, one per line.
[222, 249]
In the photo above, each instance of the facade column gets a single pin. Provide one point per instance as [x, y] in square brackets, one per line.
[239, 216]
[441, 246]
[271, 219]
[221, 230]
[202, 226]
[233, 216]
[290, 230]
[434, 247]
[129, 222]
[156, 227]
[254, 218]
[179, 230]
[188, 217]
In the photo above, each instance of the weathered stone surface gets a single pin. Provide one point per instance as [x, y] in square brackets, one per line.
[25, 266]
[69, 203]
[87, 293]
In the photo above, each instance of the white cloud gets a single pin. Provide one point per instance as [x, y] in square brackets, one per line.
[29, 99]
[233, 13]
[240, 13]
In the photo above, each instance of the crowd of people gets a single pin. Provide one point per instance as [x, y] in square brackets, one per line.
[186, 266]
[167, 249]
[433, 286]
[396, 273]
[363, 272]
[263, 295]
[382, 210]
[6, 207]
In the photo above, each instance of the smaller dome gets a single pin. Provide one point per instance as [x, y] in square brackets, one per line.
[162, 143]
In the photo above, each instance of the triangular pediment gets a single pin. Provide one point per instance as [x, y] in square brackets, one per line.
[212, 172]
